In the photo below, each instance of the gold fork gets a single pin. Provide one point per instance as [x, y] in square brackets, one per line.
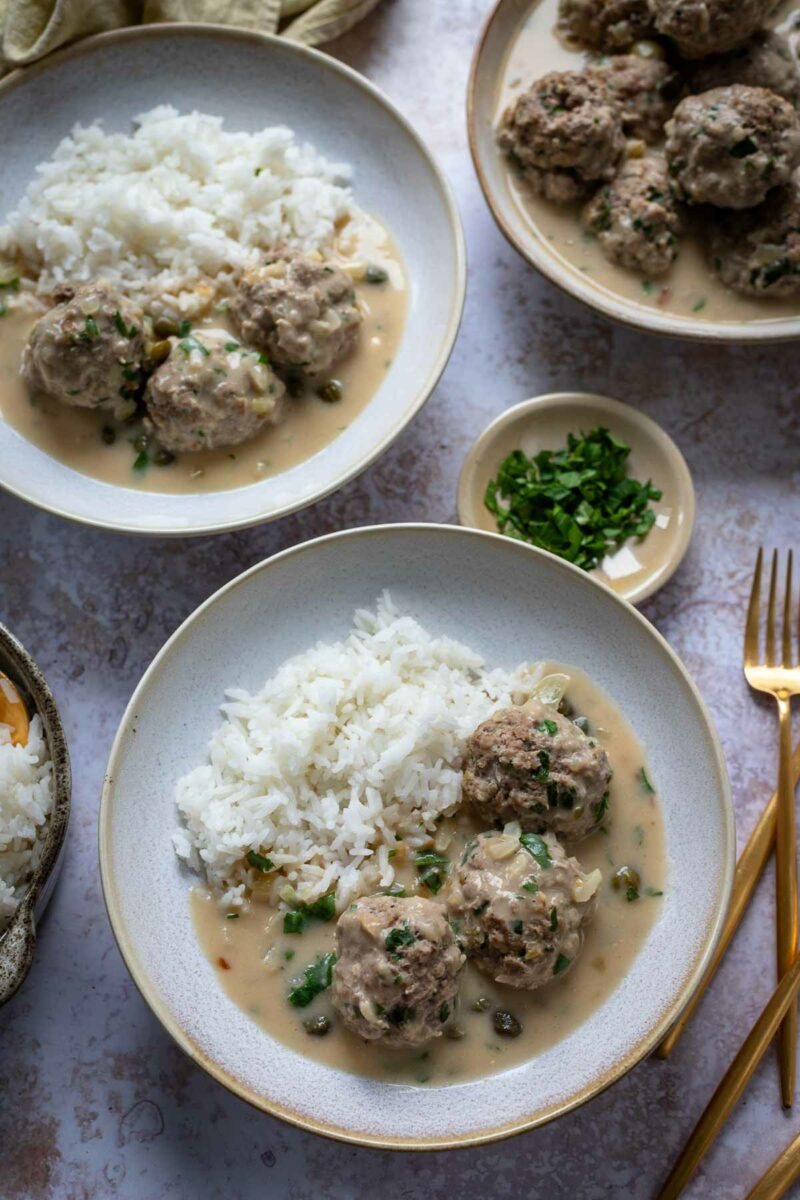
[780, 679]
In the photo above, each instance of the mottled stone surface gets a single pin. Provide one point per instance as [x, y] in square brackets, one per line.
[95, 1101]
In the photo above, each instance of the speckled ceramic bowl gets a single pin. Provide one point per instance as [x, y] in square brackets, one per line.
[250, 80]
[18, 942]
[511, 603]
[500, 32]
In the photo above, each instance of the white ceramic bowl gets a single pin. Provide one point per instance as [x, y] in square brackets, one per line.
[512, 603]
[250, 80]
[638, 569]
[497, 38]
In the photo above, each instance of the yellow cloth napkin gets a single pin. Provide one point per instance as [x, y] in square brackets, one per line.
[32, 28]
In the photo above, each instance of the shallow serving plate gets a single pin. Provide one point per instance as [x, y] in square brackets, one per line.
[250, 80]
[512, 603]
[638, 569]
[494, 44]
[18, 941]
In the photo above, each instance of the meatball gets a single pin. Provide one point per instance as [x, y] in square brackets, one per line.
[765, 61]
[211, 392]
[757, 252]
[636, 219]
[520, 906]
[563, 133]
[645, 90]
[299, 310]
[730, 146]
[703, 27]
[88, 351]
[535, 766]
[607, 24]
[398, 969]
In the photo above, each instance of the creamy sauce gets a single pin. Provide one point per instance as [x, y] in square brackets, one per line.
[74, 436]
[256, 963]
[688, 288]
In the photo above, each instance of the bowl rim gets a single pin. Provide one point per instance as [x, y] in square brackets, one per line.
[650, 321]
[302, 1120]
[467, 503]
[189, 29]
[31, 678]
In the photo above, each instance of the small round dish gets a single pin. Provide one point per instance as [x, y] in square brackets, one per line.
[18, 941]
[638, 568]
[250, 80]
[541, 243]
[512, 604]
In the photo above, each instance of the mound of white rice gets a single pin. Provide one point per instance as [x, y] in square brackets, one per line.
[173, 210]
[347, 747]
[26, 797]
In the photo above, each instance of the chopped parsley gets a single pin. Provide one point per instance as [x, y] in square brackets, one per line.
[190, 343]
[432, 869]
[316, 978]
[561, 964]
[645, 782]
[651, 891]
[548, 726]
[141, 461]
[600, 808]
[397, 938]
[537, 847]
[542, 772]
[259, 863]
[90, 330]
[577, 502]
[444, 1011]
[554, 918]
[123, 329]
[184, 328]
[297, 918]
[530, 885]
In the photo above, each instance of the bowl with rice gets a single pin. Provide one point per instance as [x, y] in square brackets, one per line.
[296, 760]
[230, 275]
[35, 788]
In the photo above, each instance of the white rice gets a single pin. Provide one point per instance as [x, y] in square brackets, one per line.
[345, 748]
[173, 210]
[26, 797]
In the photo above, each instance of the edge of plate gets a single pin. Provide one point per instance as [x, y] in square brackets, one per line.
[360, 1138]
[327, 62]
[466, 499]
[622, 314]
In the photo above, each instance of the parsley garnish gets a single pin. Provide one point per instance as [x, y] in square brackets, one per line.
[432, 869]
[646, 784]
[316, 978]
[562, 962]
[398, 937]
[89, 331]
[297, 918]
[548, 726]
[259, 862]
[576, 502]
[191, 343]
[537, 847]
[124, 330]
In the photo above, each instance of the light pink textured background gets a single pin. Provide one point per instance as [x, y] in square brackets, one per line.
[94, 1099]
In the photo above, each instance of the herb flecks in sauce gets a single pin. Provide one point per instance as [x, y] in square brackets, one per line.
[432, 869]
[316, 978]
[297, 918]
[577, 502]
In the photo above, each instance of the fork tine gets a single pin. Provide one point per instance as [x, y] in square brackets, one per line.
[787, 615]
[751, 628]
[769, 657]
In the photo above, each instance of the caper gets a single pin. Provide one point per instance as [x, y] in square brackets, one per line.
[165, 328]
[455, 1032]
[108, 434]
[163, 458]
[375, 274]
[317, 1026]
[480, 1005]
[157, 352]
[506, 1024]
[331, 392]
[140, 443]
[627, 879]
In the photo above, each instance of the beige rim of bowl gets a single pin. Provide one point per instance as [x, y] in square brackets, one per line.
[301, 1120]
[325, 62]
[619, 311]
[470, 495]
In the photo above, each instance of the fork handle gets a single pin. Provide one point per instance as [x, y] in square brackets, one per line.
[786, 897]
